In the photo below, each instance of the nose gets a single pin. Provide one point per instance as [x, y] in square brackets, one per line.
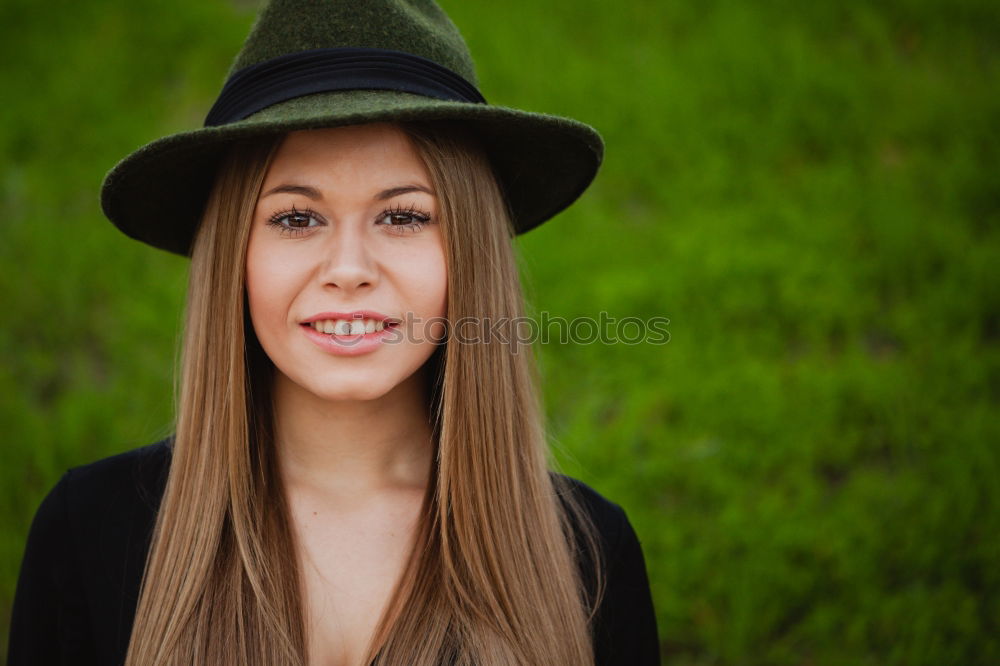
[348, 263]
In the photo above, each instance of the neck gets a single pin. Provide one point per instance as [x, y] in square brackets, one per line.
[353, 447]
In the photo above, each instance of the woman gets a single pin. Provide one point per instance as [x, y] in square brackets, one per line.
[354, 478]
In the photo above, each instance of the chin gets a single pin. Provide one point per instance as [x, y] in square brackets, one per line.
[349, 391]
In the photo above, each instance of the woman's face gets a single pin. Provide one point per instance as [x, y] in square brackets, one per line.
[345, 235]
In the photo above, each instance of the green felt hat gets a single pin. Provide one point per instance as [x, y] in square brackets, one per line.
[324, 63]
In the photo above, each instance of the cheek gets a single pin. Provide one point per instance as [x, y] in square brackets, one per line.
[437, 278]
[267, 287]
[429, 286]
[430, 272]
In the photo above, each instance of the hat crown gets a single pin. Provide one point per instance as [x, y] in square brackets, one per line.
[309, 64]
[419, 27]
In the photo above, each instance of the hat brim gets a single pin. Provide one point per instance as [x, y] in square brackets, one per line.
[157, 194]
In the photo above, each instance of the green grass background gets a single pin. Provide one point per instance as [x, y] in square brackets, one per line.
[808, 190]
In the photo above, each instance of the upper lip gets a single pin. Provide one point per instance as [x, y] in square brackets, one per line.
[354, 314]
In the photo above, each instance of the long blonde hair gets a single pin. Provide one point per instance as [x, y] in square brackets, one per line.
[494, 577]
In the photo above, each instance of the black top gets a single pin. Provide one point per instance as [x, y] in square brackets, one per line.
[79, 583]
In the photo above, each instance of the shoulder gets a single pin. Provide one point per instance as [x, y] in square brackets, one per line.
[94, 488]
[111, 505]
[84, 558]
[607, 517]
[140, 472]
[624, 623]
[105, 502]
[104, 509]
[129, 465]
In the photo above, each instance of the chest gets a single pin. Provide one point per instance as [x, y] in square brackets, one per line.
[350, 563]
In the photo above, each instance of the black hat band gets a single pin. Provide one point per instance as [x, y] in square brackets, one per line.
[323, 70]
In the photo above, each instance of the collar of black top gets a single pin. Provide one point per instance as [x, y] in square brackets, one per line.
[311, 64]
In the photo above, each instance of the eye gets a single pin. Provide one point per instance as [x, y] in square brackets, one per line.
[402, 219]
[295, 221]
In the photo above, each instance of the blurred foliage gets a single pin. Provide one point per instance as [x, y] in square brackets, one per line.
[809, 191]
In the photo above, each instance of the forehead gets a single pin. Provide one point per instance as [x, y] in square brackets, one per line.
[348, 155]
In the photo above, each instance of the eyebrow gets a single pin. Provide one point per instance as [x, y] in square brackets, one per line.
[304, 190]
[405, 189]
[314, 194]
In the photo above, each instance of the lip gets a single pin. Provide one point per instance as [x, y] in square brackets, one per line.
[355, 314]
[350, 345]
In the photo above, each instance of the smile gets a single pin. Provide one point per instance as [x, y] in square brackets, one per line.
[349, 344]
[349, 327]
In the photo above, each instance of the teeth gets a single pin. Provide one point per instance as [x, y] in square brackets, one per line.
[348, 327]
